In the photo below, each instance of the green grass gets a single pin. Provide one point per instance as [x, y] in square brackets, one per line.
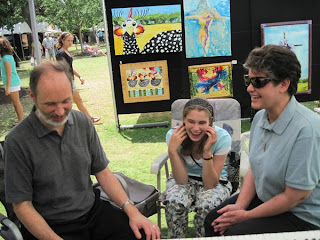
[131, 151]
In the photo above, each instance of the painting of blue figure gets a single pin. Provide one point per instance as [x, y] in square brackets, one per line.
[207, 28]
[296, 36]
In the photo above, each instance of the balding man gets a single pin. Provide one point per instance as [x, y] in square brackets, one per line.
[49, 158]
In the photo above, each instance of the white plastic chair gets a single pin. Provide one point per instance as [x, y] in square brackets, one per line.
[244, 155]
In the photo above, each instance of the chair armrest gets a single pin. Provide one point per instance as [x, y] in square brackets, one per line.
[158, 163]
[10, 231]
[244, 164]
[244, 155]
[244, 139]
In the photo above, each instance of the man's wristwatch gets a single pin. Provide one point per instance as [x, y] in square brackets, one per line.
[127, 203]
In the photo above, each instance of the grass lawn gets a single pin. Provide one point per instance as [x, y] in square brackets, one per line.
[131, 151]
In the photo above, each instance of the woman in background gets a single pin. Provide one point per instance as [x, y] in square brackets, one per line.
[65, 41]
[11, 80]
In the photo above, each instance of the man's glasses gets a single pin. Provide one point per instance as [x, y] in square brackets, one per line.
[257, 82]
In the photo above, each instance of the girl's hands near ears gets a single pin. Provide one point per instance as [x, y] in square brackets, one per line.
[178, 136]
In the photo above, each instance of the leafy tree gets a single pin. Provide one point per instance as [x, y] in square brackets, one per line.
[11, 12]
[175, 17]
[72, 15]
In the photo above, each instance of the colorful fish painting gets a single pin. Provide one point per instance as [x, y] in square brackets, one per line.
[211, 80]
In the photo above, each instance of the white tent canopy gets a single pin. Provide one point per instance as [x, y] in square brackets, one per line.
[21, 28]
[17, 29]
[45, 27]
[4, 31]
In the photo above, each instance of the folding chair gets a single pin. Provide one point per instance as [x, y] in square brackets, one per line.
[227, 115]
[8, 228]
[143, 196]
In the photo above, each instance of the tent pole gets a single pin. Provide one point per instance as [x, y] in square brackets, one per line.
[34, 32]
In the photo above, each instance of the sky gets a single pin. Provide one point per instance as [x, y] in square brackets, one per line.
[152, 9]
[295, 34]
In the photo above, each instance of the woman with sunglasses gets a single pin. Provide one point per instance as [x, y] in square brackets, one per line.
[65, 41]
[198, 152]
[281, 190]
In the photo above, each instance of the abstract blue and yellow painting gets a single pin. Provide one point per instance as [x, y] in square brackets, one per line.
[295, 36]
[207, 28]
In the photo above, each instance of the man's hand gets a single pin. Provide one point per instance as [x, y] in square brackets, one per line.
[138, 221]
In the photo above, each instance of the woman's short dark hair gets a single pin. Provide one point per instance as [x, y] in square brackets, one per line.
[58, 66]
[277, 62]
[5, 47]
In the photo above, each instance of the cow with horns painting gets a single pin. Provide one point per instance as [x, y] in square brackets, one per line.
[164, 42]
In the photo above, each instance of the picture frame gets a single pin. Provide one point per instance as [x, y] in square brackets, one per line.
[207, 28]
[211, 80]
[152, 27]
[297, 36]
[145, 81]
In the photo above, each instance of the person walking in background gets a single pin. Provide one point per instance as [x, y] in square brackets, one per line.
[281, 190]
[48, 45]
[75, 41]
[101, 37]
[55, 41]
[199, 181]
[11, 80]
[64, 43]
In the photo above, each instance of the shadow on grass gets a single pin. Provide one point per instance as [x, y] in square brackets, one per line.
[6, 99]
[143, 135]
[23, 73]
[7, 113]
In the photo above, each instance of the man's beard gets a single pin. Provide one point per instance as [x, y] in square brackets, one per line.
[42, 116]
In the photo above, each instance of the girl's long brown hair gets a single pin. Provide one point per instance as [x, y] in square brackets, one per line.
[5, 47]
[61, 38]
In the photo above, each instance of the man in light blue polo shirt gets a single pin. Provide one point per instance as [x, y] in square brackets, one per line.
[281, 190]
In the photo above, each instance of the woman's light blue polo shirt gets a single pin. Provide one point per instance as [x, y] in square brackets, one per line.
[291, 157]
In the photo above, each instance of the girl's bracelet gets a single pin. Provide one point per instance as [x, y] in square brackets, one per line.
[207, 159]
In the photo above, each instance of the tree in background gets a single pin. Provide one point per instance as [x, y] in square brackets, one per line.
[12, 12]
[71, 15]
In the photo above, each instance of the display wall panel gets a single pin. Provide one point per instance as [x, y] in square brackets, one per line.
[246, 17]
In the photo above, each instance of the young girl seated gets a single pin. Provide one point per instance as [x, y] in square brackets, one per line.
[197, 151]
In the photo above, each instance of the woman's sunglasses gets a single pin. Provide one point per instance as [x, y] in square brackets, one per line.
[257, 82]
